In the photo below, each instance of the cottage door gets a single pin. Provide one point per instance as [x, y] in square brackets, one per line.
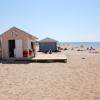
[18, 49]
[11, 48]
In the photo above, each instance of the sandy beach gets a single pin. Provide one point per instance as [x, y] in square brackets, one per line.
[78, 79]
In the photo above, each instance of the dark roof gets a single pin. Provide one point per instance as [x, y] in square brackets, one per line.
[31, 36]
[47, 40]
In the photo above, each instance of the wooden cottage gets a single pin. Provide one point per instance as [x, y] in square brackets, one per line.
[47, 44]
[16, 43]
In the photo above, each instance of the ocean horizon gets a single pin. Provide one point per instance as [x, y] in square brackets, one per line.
[85, 44]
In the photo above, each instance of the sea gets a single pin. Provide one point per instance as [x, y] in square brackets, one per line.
[85, 44]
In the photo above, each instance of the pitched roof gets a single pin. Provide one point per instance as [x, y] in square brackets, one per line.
[30, 36]
[47, 40]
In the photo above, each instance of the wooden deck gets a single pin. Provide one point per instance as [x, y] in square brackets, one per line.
[50, 57]
[46, 58]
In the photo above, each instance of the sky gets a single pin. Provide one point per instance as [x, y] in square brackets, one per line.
[63, 20]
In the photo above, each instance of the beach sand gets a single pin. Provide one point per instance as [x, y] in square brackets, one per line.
[78, 79]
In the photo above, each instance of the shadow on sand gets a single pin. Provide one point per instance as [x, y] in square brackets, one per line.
[26, 61]
[14, 62]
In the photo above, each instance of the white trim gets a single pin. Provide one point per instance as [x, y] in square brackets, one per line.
[28, 46]
[1, 49]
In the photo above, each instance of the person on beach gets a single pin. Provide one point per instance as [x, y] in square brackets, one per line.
[50, 51]
[33, 49]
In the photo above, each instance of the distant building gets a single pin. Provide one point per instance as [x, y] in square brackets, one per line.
[16, 43]
[47, 44]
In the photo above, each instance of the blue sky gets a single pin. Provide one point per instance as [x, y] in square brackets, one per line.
[63, 20]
